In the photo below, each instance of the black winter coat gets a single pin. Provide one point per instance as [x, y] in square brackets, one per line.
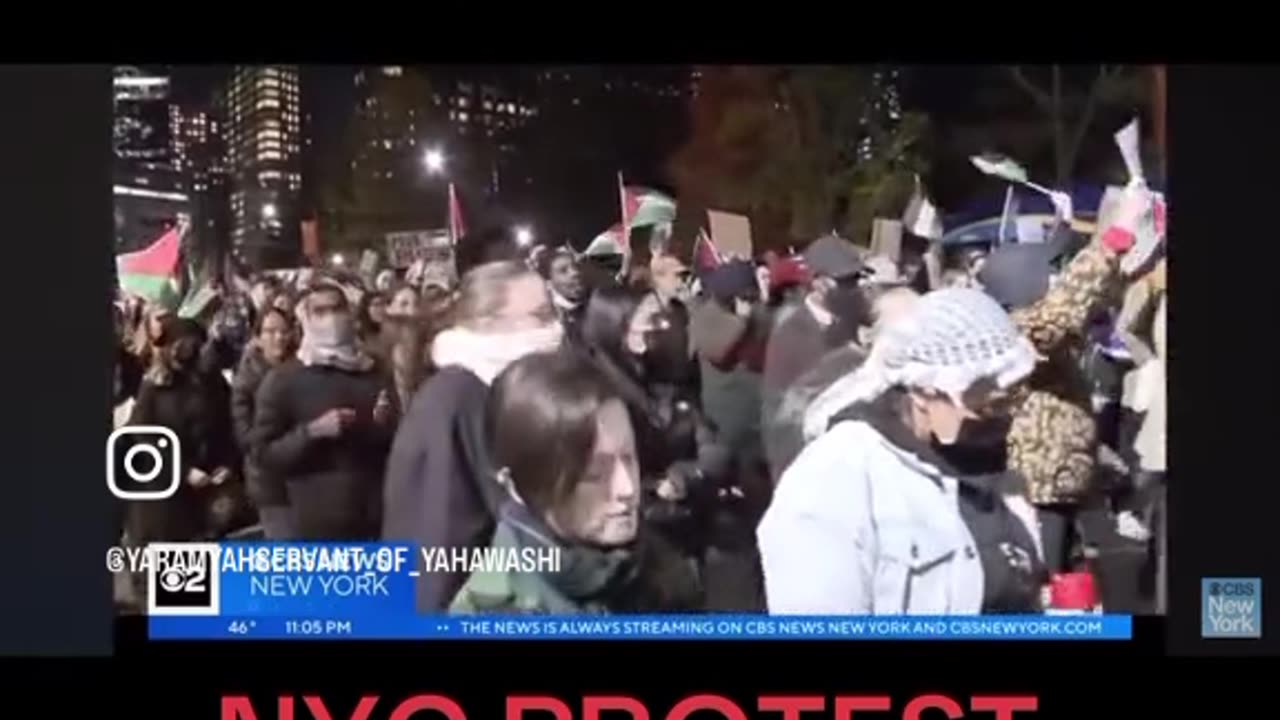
[334, 484]
[441, 489]
[265, 489]
[196, 407]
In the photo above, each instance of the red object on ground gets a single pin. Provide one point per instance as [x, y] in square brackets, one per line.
[1073, 591]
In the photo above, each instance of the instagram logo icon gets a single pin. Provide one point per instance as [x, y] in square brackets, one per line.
[144, 462]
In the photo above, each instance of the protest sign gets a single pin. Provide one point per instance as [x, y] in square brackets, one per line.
[731, 233]
[368, 263]
[886, 238]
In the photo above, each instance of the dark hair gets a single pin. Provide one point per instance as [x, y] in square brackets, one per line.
[607, 319]
[541, 424]
[268, 311]
[548, 256]
[363, 318]
[325, 286]
[486, 246]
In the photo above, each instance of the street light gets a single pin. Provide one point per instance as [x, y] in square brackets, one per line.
[524, 236]
[337, 259]
[433, 159]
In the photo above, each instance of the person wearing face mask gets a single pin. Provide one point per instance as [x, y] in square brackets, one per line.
[829, 317]
[566, 448]
[323, 425]
[682, 464]
[900, 507]
[440, 486]
[196, 407]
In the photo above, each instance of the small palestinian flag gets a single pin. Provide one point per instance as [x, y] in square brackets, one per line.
[609, 242]
[151, 273]
[1000, 166]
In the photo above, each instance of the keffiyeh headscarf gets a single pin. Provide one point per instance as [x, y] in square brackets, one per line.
[953, 338]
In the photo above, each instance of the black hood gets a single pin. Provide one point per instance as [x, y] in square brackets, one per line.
[981, 469]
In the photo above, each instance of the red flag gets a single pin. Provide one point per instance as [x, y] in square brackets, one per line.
[629, 203]
[457, 228]
[311, 240]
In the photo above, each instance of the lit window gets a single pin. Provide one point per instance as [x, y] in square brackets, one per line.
[462, 116]
[386, 144]
[463, 102]
[264, 155]
[393, 71]
[453, 115]
[266, 103]
[488, 104]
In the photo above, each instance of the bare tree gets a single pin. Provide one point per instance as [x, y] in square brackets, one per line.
[1070, 110]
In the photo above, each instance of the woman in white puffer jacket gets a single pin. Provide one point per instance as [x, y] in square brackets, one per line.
[875, 515]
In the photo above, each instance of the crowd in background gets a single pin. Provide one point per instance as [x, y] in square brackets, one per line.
[823, 432]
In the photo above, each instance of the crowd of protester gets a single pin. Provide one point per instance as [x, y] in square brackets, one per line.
[822, 432]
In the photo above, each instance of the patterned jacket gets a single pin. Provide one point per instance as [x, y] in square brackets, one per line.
[1052, 442]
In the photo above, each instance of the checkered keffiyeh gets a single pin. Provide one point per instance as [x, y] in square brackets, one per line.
[953, 338]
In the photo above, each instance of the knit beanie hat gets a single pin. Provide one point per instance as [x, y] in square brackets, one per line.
[952, 338]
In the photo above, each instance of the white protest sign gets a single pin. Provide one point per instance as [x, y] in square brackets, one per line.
[886, 238]
[368, 262]
[1130, 149]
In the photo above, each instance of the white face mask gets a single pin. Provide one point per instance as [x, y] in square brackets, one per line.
[331, 331]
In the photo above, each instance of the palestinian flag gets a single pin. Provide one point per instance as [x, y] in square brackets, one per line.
[152, 272]
[647, 207]
[609, 242]
[1000, 166]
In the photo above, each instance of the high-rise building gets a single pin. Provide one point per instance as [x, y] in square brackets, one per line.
[196, 135]
[264, 148]
[149, 195]
[485, 108]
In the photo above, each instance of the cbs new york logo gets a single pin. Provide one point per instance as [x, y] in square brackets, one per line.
[144, 462]
[1231, 607]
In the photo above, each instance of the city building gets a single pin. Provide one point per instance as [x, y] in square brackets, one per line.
[199, 157]
[485, 109]
[264, 148]
[149, 195]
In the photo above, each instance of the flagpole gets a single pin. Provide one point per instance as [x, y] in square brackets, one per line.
[1004, 214]
[626, 227]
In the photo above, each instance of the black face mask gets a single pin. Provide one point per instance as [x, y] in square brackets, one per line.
[979, 447]
[983, 432]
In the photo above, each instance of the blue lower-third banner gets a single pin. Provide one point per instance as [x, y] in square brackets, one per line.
[645, 627]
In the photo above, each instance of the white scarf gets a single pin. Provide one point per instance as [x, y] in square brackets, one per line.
[561, 302]
[331, 346]
[486, 355]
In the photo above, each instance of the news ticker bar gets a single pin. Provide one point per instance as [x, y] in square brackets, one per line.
[644, 627]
